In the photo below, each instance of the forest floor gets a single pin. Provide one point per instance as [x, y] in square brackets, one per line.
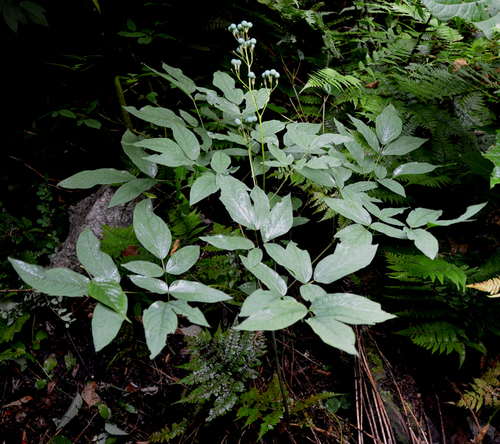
[392, 393]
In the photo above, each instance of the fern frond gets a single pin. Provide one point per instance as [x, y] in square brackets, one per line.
[328, 77]
[491, 286]
[485, 391]
[421, 267]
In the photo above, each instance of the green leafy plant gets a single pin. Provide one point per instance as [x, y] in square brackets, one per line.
[484, 391]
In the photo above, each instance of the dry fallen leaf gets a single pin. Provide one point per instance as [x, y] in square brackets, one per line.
[131, 250]
[19, 402]
[89, 395]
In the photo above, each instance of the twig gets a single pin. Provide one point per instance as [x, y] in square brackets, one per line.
[280, 379]
[440, 415]
[78, 353]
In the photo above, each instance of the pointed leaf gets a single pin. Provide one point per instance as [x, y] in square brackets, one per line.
[403, 145]
[388, 125]
[424, 241]
[349, 208]
[421, 216]
[103, 176]
[183, 259]
[151, 231]
[473, 209]
[130, 190]
[145, 268]
[106, 324]
[388, 230]
[98, 264]
[279, 221]
[345, 260]
[156, 286]
[280, 314]
[394, 186]
[354, 235]
[159, 321]
[234, 196]
[267, 275]
[261, 206]
[367, 132]
[203, 187]
[229, 242]
[170, 158]
[334, 333]
[159, 116]
[194, 314]
[136, 154]
[414, 168]
[254, 257]
[220, 162]
[110, 294]
[226, 84]
[318, 176]
[54, 282]
[194, 291]
[295, 260]
[258, 301]
[187, 141]
[354, 147]
[311, 291]
[350, 308]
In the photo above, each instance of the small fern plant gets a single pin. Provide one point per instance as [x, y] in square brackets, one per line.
[485, 391]
[220, 366]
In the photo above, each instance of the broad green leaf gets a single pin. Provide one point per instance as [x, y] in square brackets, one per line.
[358, 187]
[493, 155]
[495, 177]
[367, 133]
[190, 120]
[194, 291]
[473, 209]
[187, 141]
[258, 301]
[110, 294]
[54, 282]
[220, 162]
[326, 140]
[106, 324]
[279, 221]
[171, 158]
[355, 235]
[295, 260]
[159, 321]
[103, 176]
[424, 241]
[380, 171]
[318, 176]
[234, 196]
[421, 216]
[100, 265]
[403, 145]
[229, 242]
[345, 260]
[354, 147]
[256, 98]
[323, 163]
[414, 168]
[161, 145]
[112, 429]
[388, 230]
[226, 84]
[136, 154]
[266, 275]
[145, 268]
[194, 314]
[261, 206]
[130, 190]
[72, 411]
[311, 291]
[334, 333]
[203, 187]
[183, 259]
[254, 257]
[349, 208]
[153, 114]
[269, 128]
[349, 308]
[156, 286]
[394, 186]
[151, 231]
[181, 80]
[207, 140]
[280, 314]
[482, 13]
[388, 125]
[279, 155]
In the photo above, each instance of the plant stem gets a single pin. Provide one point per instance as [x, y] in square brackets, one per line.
[280, 379]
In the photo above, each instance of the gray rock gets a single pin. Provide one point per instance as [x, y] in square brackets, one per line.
[92, 212]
